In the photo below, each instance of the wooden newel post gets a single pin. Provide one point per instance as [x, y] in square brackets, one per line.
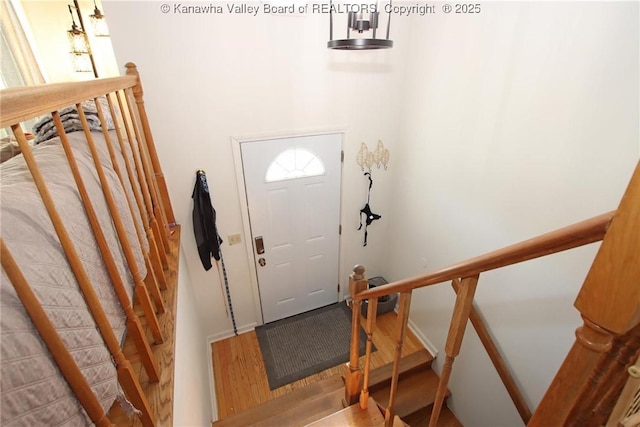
[353, 373]
[167, 210]
[608, 303]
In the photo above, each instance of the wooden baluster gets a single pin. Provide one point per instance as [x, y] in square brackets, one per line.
[353, 373]
[606, 382]
[134, 103]
[154, 254]
[162, 186]
[461, 312]
[628, 403]
[126, 375]
[404, 305]
[162, 233]
[133, 322]
[497, 359]
[604, 407]
[608, 303]
[65, 361]
[142, 179]
[592, 342]
[122, 234]
[153, 271]
[370, 326]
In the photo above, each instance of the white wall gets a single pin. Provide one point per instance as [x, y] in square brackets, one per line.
[501, 126]
[514, 122]
[191, 395]
[209, 78]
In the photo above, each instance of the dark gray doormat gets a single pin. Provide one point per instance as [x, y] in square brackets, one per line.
[308, 343]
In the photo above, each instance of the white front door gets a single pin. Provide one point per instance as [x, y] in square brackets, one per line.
[293, 194]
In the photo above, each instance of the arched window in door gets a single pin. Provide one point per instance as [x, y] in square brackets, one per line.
[294, 163]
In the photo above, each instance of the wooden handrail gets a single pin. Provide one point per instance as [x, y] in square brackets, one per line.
[25, 103]
[464, 277]
[589, 381]
[573, 236]
[608, 304]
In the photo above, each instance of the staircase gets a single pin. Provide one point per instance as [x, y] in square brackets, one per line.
[585, 391]
[320, 404]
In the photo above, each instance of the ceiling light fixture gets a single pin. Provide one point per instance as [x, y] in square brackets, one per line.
[360, 20]
[98, 22]
[80, 47]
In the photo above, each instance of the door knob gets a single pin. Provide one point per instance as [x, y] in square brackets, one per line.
[262, 262]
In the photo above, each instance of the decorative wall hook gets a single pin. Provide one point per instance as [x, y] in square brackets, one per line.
[379, 157]
[361, 158]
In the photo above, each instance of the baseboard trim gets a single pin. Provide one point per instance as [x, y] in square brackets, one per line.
[423, 339]
[229, 333]
[212, 385]
[432, 349]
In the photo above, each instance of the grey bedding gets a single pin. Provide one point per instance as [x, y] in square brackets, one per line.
[33, 392]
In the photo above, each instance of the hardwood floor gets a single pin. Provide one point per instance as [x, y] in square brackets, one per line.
[240, 376]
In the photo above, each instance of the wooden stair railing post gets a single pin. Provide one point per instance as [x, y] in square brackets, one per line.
[608, 303]
[154, 254]
[353, 373]
[627, 404]
[133, 322]
[147, 169]
[59, 352]
[126, 375]
[497, 359]
[152, 223]
[614, 380]
[372, 309]
[461, 312]
[404, 305]
[120, 228]
[146, 128]
[158, 272]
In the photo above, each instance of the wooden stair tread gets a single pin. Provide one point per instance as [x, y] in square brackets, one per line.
[353, 416]
[397, 422]
[421, 418]
[305, 405]
[320, 403]
[381, 377]
[414, 393]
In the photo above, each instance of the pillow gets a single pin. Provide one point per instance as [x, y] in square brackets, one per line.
[45, 128]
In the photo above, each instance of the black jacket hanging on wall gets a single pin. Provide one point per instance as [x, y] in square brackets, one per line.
[204, 222]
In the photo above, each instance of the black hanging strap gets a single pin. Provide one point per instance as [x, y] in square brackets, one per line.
[228, 292]
[366, 211]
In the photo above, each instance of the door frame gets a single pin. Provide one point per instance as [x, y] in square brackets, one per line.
[236, 143]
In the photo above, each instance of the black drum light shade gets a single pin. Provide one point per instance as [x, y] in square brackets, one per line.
[361, 23]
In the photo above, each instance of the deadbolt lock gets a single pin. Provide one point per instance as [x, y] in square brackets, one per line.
[262, 262]
[259, 245]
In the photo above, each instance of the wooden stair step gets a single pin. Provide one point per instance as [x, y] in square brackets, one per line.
[415, 392]
[421, 418]
[353, 416]
[302, 406]
[397, 422]
[417, 361]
